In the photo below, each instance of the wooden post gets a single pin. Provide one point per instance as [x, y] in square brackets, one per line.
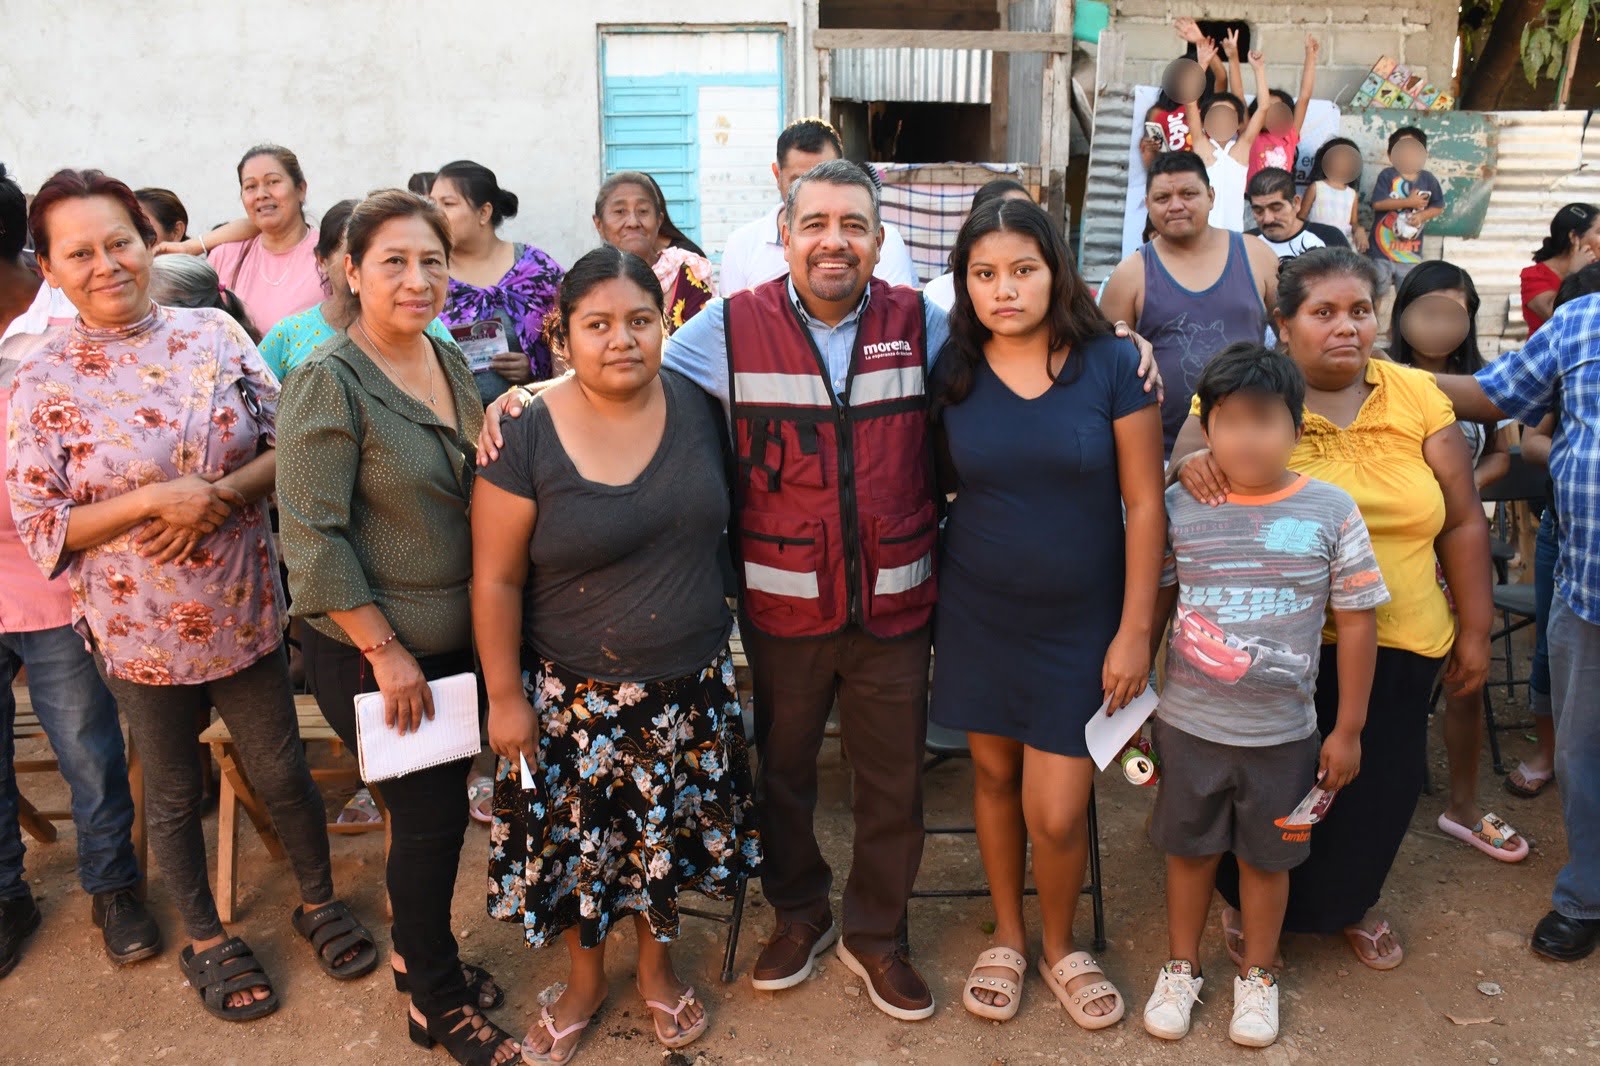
[1055, 139]
[821, 55]
[35, 821]
[1569, 67]
[227, 893]
[999, 91]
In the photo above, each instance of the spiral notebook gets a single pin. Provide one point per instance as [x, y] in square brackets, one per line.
[451, 734]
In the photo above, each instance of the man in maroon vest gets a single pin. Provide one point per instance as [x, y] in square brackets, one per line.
[822, 373]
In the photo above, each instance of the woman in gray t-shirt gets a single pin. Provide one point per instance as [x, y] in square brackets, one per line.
[601, 624]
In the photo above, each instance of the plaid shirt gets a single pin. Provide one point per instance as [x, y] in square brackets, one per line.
[1560, 367]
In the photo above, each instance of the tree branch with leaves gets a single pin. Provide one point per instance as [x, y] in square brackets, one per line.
[1545, 41]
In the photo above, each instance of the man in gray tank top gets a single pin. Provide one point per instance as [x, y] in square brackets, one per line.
[1194, 289]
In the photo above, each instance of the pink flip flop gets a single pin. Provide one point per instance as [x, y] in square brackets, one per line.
[684, 1037]
[1379, 962]
[547, 1022]
[1533, 784]
[1488, 836]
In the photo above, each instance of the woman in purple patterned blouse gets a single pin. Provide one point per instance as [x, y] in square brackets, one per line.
[494, 279]
[140, 459]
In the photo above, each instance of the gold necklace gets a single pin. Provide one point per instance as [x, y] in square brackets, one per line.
[287, 270]
[400, 378]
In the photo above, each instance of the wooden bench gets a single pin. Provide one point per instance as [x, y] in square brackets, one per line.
[237, 792]
[39, 824]
[741, 667]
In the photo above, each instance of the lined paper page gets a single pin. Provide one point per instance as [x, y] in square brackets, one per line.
[451, 734]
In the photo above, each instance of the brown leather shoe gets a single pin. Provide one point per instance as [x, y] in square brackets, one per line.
[791, 954]
[893, 984]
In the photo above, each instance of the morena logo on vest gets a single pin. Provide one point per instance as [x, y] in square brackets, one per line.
[886, 349]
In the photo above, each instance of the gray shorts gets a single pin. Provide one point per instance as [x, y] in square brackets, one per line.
[1215, 798]
[1390, 273]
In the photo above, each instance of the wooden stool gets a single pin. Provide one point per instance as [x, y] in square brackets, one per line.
[39, 824]
[237, 792]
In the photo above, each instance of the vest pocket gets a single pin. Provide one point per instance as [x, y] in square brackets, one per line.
[802, 456]
[774, 453]
[781, 559]
[900, 552]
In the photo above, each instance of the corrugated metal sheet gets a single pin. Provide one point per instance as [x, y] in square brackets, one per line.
[1107, 189]
[1546, 159]
[912, 75]
[1024, 101]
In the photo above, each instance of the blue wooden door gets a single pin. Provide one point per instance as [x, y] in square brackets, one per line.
[651, 127]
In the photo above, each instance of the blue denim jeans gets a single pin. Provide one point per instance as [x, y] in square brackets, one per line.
[80, 718]
[1545, 551]
[1575, 678]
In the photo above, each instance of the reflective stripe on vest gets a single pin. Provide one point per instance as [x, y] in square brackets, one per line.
[788, 390]
[879, 386]
[780, 582]
[897, 579]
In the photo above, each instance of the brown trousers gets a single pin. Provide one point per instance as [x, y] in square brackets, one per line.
[882, 690]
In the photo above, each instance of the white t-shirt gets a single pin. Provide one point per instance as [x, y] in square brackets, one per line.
[25, 333]
[941, 291]
[1312, 235]
[754, 256]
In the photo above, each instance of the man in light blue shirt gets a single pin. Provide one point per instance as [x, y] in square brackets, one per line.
[1559, 368]
[808, 650]
[699, 349]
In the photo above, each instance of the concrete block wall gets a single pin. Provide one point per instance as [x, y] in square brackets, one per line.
[1419, 33]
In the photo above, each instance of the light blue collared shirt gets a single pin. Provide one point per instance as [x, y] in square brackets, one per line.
[1559, 368]
[699, 349]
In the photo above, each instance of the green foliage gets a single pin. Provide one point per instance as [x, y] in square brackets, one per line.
[1544, 42]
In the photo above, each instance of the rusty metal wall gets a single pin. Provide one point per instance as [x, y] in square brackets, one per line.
[1546, 159]
[913, 75]
[1106, 191]
[1024, 101]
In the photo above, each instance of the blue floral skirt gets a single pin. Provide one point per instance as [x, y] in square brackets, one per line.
[643, 791]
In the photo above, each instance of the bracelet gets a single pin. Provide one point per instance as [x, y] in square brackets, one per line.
[202, 239]
[380, 645]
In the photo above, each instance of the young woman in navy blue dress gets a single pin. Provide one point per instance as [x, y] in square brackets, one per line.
[1047, 595]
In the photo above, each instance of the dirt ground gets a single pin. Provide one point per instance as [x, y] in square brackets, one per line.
[1463, 918]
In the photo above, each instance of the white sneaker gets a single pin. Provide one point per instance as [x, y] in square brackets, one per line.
[1255, 1009]
[1166, 1014]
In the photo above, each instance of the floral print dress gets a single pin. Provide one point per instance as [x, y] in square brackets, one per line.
[686, 284]
[524, 296]
[99, 413]
[642, 791]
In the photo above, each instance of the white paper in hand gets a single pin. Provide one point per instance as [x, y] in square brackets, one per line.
[451, 734]
[527, 774]
[1107, 735]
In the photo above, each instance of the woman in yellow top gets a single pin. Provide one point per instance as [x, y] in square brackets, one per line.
[1385, 434]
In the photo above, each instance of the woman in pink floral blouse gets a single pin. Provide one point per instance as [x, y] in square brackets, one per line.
[140, 458]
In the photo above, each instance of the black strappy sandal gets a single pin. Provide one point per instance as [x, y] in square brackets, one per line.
[467, 1043]
[480, 983]
[332, 930]
[219, 972]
